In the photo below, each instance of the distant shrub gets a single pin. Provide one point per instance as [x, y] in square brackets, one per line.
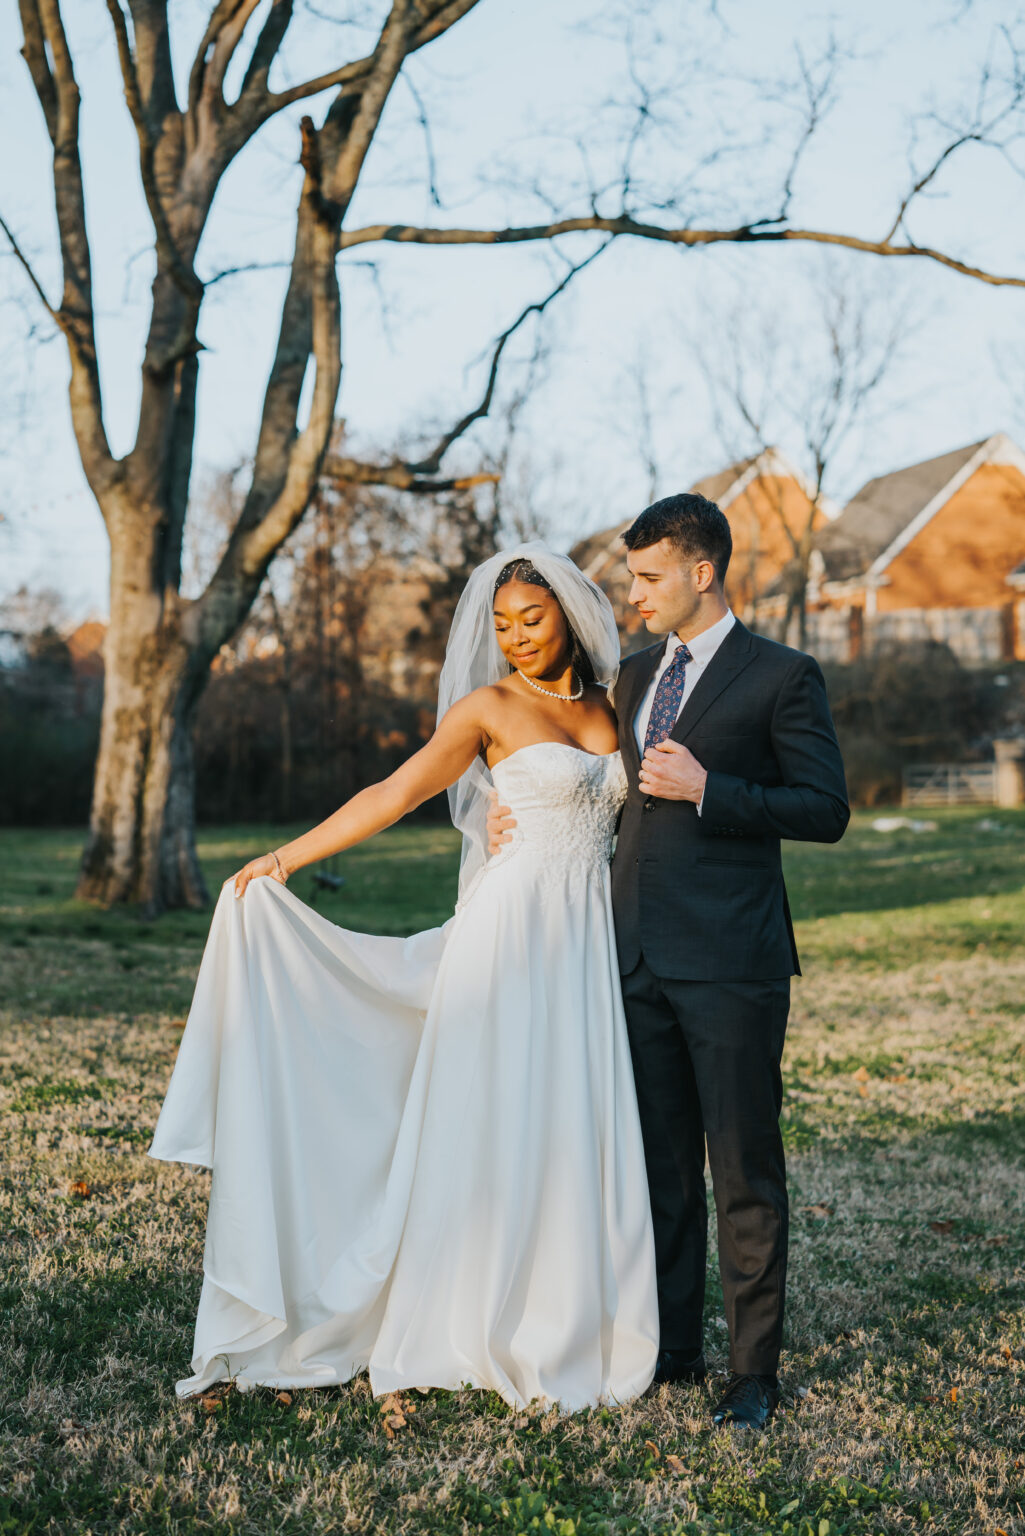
[917, 704]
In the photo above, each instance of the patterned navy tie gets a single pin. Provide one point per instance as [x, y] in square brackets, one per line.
[665, 706]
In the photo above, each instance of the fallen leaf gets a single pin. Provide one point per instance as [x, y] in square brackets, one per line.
[393, 1410]
[80, 1189]
[819, 1211]
[898, 1077]
[861, 1076]
[942, 1228]
[285, 1399]
[1006, 1353]
[862, 1091]
[676, 1465]
[932, 1398]
[998, 1240]
[649, 1445]
[177, 1024]
[953, 1394]
[209, 1404]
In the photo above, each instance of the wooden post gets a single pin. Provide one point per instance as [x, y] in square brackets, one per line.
[1010, 772]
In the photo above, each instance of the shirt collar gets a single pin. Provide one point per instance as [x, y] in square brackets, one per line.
[704, 646]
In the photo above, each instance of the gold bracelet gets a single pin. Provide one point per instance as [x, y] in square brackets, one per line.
[281, 872]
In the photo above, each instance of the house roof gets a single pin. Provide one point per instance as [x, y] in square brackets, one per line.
[595, 554]
[598, 553]
[884, 508]
[716, 486]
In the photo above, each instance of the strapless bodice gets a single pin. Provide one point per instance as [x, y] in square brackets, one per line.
[566, 802]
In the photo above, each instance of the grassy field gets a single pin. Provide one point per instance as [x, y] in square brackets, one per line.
[904, 1370]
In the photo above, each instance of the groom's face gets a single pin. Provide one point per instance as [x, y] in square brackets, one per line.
[668, 586]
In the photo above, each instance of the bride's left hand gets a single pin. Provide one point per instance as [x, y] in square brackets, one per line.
[264, 865]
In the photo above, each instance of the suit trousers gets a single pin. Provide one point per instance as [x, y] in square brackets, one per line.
[706, 1058]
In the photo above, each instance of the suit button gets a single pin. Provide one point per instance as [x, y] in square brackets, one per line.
[649, 805]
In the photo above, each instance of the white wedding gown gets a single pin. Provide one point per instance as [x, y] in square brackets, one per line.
[426, 1152]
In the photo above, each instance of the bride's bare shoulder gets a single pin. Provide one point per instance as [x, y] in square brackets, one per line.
[480, 704]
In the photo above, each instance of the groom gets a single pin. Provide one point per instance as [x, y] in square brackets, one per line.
[729, 747]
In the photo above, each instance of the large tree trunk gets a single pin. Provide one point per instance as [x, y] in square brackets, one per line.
[141, 845]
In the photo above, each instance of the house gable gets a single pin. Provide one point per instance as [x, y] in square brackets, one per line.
[960, 556]
[882, 511]
[757, 494]
[996, 451]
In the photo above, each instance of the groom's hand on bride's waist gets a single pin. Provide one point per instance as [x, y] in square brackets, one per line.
[671, 772]
[500, 824]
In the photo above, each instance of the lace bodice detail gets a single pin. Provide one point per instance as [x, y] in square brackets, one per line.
[565, 802]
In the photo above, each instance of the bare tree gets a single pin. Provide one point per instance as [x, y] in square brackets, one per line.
[159, 647]
[809, 379]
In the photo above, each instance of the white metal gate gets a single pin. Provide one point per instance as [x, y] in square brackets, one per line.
[950, 784]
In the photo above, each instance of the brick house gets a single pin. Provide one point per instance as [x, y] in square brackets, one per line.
[932, 551]
[762, 496]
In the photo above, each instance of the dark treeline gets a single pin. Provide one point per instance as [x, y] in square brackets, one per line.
[333, 680]
[330, 684]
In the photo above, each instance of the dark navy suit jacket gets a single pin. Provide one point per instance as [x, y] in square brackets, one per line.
[702, 897]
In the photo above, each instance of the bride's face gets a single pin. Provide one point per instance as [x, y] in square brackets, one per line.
[532, 631]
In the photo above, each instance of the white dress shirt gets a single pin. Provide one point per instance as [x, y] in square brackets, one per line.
[702, 648]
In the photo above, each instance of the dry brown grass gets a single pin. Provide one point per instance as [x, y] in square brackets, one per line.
[905, 1362]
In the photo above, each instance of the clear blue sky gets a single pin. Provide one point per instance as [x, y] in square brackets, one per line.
[511, 90]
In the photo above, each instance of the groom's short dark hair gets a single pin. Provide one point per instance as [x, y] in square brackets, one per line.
[692, 523]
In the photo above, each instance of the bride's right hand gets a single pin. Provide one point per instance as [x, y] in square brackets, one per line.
[264, 865]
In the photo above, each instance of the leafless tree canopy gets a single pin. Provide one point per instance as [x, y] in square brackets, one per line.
[160, 643]
[808, 376]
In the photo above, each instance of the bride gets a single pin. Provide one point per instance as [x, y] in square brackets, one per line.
[426, 1152]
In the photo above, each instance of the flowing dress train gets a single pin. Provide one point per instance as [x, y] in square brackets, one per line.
[426, 1152]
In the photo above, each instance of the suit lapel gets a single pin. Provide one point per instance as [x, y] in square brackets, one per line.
[733, 655]
[637, 682]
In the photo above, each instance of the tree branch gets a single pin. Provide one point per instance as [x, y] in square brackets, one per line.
[27, 266]
[389, 57]
[418, 475]
[440, 17]
[168, 255]
[272, 35]
[624, 224]
[431, 464]
[228, 39]
[152, 51]
[33, 51]
[399, 477]
[817, 100]
[219, 17]
[59, 98]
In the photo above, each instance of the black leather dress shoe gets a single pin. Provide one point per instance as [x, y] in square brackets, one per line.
[748, 1400]
[675, 1365]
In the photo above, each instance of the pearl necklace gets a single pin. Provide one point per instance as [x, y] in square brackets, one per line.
[569, 698]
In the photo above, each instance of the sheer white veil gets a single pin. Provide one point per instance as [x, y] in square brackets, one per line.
[473, 660]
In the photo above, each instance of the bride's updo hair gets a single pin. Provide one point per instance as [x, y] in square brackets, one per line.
[522, 570]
